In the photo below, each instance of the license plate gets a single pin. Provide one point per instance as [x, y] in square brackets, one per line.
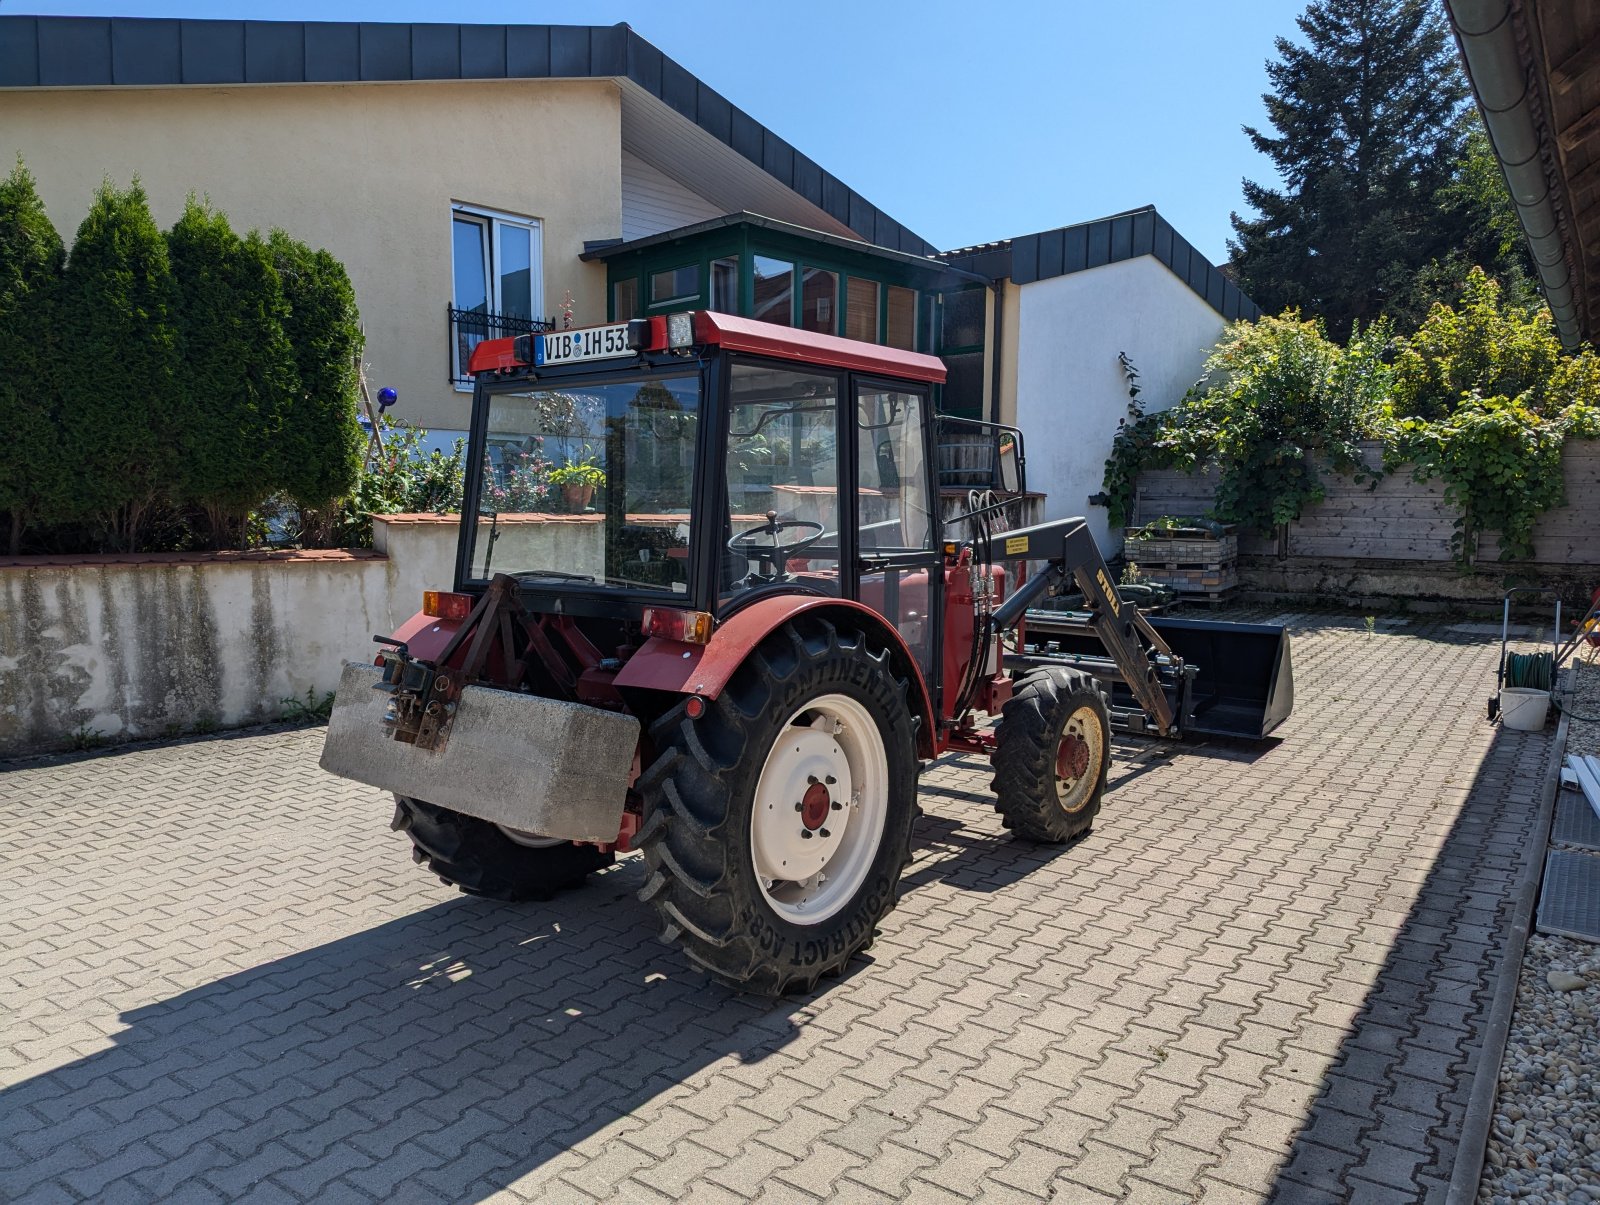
[590, 343]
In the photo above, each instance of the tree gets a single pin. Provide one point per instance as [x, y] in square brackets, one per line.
[319, 450]
[236, 378]
[1368, 115]
[119, 365]
[1477, 211]
[31, 261]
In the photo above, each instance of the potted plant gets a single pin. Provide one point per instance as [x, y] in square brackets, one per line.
[578, 482]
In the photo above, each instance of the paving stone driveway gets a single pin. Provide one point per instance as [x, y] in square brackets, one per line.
[1261, 976]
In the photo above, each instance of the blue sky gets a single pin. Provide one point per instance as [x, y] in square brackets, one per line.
[966, 121]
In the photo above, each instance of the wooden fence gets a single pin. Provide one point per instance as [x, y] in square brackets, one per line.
[1400, 525]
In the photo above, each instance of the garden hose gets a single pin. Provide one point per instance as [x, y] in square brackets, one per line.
[1536, 671]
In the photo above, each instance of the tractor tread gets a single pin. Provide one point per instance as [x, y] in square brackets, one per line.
[476, 857]
[1025, 752]
[699, 880]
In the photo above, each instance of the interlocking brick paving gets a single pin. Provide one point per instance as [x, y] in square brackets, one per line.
[1262, 976]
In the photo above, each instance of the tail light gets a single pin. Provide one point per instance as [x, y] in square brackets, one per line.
[442, 604]
[691, 627]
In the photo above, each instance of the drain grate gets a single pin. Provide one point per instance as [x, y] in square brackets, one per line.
[1576, 823]
[1570, 903]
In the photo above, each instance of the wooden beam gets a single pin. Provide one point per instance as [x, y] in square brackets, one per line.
[1578, 67]
[1579, 131]
[1582, 180]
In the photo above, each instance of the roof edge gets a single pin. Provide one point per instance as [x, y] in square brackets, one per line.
[1030, 258]
[109, 52]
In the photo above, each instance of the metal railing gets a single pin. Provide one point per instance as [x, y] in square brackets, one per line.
[979, 455]
[468, 328]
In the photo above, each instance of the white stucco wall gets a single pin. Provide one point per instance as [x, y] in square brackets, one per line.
[1070, 389]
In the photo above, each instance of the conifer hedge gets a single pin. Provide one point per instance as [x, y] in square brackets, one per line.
[155, 389]
[31, 261]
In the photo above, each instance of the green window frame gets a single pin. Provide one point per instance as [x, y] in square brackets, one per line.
[725, 262]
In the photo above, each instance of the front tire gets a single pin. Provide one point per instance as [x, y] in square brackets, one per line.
[485, 860]
[777, 824]
[1051, 755]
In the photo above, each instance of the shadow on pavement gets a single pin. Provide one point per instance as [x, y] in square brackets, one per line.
[442, 1055]
[457, 1048]
[1387, 1122]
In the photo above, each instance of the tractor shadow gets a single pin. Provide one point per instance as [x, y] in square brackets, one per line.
[443, 1055]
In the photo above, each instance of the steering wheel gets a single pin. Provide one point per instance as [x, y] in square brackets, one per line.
[769, 557]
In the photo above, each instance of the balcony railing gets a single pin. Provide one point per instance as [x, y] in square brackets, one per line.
[468, 328]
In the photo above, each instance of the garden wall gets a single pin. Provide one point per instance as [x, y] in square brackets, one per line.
[96, 648]
[112, 648]
[1391, 538]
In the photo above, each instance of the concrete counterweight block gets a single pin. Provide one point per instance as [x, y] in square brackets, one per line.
[538, 765]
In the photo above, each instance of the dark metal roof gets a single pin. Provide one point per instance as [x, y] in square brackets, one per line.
[1110, 240]
[96, 52]
[612, 248]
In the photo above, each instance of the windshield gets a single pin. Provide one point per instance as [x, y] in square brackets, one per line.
[590, 483]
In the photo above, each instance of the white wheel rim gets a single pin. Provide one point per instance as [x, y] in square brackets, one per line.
[531, 840]
[1075, 783]
[831, 745]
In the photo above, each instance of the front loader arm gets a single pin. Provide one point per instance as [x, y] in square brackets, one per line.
[1068, 549]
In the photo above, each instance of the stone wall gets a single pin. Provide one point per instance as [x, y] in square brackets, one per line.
[111, 648]
[1390, 538]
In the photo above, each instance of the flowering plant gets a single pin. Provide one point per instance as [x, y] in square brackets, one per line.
[521, 482]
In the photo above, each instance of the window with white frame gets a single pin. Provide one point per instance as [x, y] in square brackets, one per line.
[498, 280]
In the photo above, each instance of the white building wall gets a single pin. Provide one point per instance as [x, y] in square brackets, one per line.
[1070, 388]
[653, 201]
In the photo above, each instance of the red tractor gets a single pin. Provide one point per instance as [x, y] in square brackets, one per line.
[705, 608]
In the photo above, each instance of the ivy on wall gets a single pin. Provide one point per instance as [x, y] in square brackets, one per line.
[1480, 396]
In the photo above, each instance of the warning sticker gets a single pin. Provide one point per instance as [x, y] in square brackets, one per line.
[1017, 546]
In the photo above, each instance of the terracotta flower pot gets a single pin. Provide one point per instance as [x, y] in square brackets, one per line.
[577, 497]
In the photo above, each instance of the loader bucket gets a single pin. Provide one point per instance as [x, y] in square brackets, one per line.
[1245, 687]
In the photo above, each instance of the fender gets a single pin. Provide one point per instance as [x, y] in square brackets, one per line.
[696, 669]
[427, 635]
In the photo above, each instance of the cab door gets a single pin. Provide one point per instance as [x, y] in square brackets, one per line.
[897, 555]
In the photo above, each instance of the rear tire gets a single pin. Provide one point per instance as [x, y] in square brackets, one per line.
[815, 732]
[1051, 755]
[480, 859]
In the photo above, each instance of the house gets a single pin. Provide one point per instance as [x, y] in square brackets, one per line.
[479, 180]
[1072, 301]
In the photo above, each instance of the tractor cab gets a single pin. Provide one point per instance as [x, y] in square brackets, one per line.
[669, 472]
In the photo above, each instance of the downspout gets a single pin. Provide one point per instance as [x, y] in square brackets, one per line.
[996, 330]
[1503, 88]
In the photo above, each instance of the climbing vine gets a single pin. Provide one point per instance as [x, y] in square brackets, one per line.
[1480, 397]
[1277, 397]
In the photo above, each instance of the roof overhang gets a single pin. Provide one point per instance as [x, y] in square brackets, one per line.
[1535, 69]
[939, 273]
[670, 119]
[1122, 236]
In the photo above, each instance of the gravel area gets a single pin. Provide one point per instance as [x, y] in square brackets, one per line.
[1544, 1144]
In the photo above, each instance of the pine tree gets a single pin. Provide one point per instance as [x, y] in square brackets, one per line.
[1369, 133]
[31, 260]
[120, 368]
[321, 444]
[236, 377]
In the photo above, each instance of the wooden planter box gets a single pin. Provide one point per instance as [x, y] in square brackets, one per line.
[1189, 560]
